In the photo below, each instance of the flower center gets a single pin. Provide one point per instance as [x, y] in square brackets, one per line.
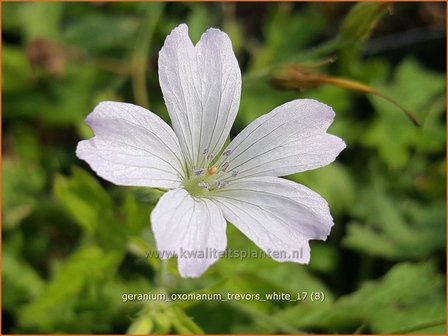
[203, 182]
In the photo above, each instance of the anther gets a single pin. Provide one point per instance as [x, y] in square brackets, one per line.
[235, 173]
[209, 157]
[203, 185]
[224, 166]
[227, 152]
[205, 151]
[220, 184]
[198, 171]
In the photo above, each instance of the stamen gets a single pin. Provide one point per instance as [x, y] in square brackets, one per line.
[235, 173]
[227, 152]
[220, 184]
[224, 166]
[203, 185]
[198, 171]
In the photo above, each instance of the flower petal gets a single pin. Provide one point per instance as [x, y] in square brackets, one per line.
[277, 215]
[132, 146]
[290, 139]
[201, 86]
[191, 228]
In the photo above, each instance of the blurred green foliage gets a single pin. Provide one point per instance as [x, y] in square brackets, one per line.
[73, 244]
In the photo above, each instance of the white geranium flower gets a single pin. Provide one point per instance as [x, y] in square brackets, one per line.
[209, 185]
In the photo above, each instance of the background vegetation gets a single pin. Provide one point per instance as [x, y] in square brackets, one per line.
[74, 243]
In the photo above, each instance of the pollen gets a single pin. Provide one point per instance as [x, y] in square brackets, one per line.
[212, 170]
[198, 172]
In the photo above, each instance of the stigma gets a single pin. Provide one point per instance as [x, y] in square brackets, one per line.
[212, 170]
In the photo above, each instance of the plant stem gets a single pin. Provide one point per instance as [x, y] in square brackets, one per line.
[259, 316]
[139, 62]
[425, 325]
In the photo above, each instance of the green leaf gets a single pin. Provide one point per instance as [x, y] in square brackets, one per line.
[88, 266]
[162, 322]
[60, 101]
[92, 208]
[22, 182]
[391, 134]
[136, 214]
[98, 33]
[263, 276]
[10, 17]
[16, 71]
[183, 323]
[396, 229]
[408, 296]
[324, 257]
[141, 326]
[41, 20]
[26, 143]
[361, 20]
[84, 199]
[283, 21]
[21, 289]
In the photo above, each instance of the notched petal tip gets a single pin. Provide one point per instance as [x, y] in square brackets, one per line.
[181, 31]
[105, 108]
[254, 204]
[315, 105]
[178, 30]
[306, 260]
[201, 86]
[87, 151]
[178, 35]
[290, 139]
[187, 271]
[343, 145]
[189, 228]
[217, 35]
[337, 145]
[132, 146]
[82, 148]
[92, 116]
